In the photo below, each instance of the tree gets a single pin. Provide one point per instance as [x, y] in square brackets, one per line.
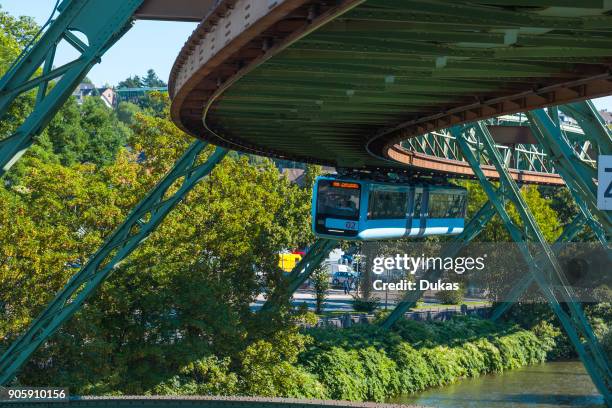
[320, 281]
[21, 30]
[105, 133]
[310, 175]
[451, 297]
[541, 208]
[131, 82]
[126, 112]
[156, 313]
[87, 133]
[152, 80]
[15, 34]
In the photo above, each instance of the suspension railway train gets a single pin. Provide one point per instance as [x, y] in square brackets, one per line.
[355, 209]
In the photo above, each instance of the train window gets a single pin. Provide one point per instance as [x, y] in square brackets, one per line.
[338, 199]
[444, 205]
[387, 204]
[418, 198]
[457, 206]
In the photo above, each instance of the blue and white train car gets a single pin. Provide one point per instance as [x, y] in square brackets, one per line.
[372, 210]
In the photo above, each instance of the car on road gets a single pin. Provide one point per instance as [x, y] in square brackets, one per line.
[338, 278]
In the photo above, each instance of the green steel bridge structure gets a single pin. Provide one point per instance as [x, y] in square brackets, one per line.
[429, 87]
[133, 94]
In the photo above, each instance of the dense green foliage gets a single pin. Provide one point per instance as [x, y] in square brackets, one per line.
[451, 297]
[150, 80]
[541, 207]
[156, 314]
[189, 303]
[366, 362]
[416, 355]
[86, 133]
[15, 34]
[539, 318]
[79, 133]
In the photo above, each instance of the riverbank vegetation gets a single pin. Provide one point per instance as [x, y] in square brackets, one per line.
[365, 362]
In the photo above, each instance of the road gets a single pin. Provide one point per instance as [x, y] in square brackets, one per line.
[337, 301]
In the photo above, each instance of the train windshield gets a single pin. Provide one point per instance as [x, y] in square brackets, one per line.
[338, 199]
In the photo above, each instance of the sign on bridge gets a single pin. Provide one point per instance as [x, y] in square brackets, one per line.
[604, 188]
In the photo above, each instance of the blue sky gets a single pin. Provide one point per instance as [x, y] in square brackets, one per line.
[149, 44]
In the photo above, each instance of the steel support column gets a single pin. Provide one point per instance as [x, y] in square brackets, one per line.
[556, 142]
[471, 231]
[577, 174]
[102, 23]
[591, 123]
[141, 222]
[569, 232]
[541, 259]
[300, 273]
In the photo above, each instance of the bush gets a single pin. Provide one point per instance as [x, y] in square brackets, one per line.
[451, 297]
[444, 361]
[365, 305]
[366, 362]
[207, 376]
[372, 363]
[520, 349]
[456, 331]
[269, 369]
[381, 374]
[492, 356]
[414, 332]
[342, 374]
[472, 359]
[415, 374]
[606, 342]
[320, 282]
[352, 338]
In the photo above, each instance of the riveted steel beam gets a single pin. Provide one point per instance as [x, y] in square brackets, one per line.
[577, 174]
[102, 25]
[569, 232]
[541, 259]
[471, 231]
[300, 273]
[138, 225]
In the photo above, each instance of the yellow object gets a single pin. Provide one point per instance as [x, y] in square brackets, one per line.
[288, 261]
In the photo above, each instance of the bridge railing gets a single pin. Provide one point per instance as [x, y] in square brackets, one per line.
[520, 156]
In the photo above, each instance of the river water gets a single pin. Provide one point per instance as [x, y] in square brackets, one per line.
[553, 384]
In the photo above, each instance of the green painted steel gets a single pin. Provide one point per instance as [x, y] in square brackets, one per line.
[300, 273]
[387, 62]
[102, 23]
[555, 143]
[141, 222]
[592, 123]
[541, 259]
[577, 174]
[471, 231]
[133, 94]
[521, 156]
[569, 232]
